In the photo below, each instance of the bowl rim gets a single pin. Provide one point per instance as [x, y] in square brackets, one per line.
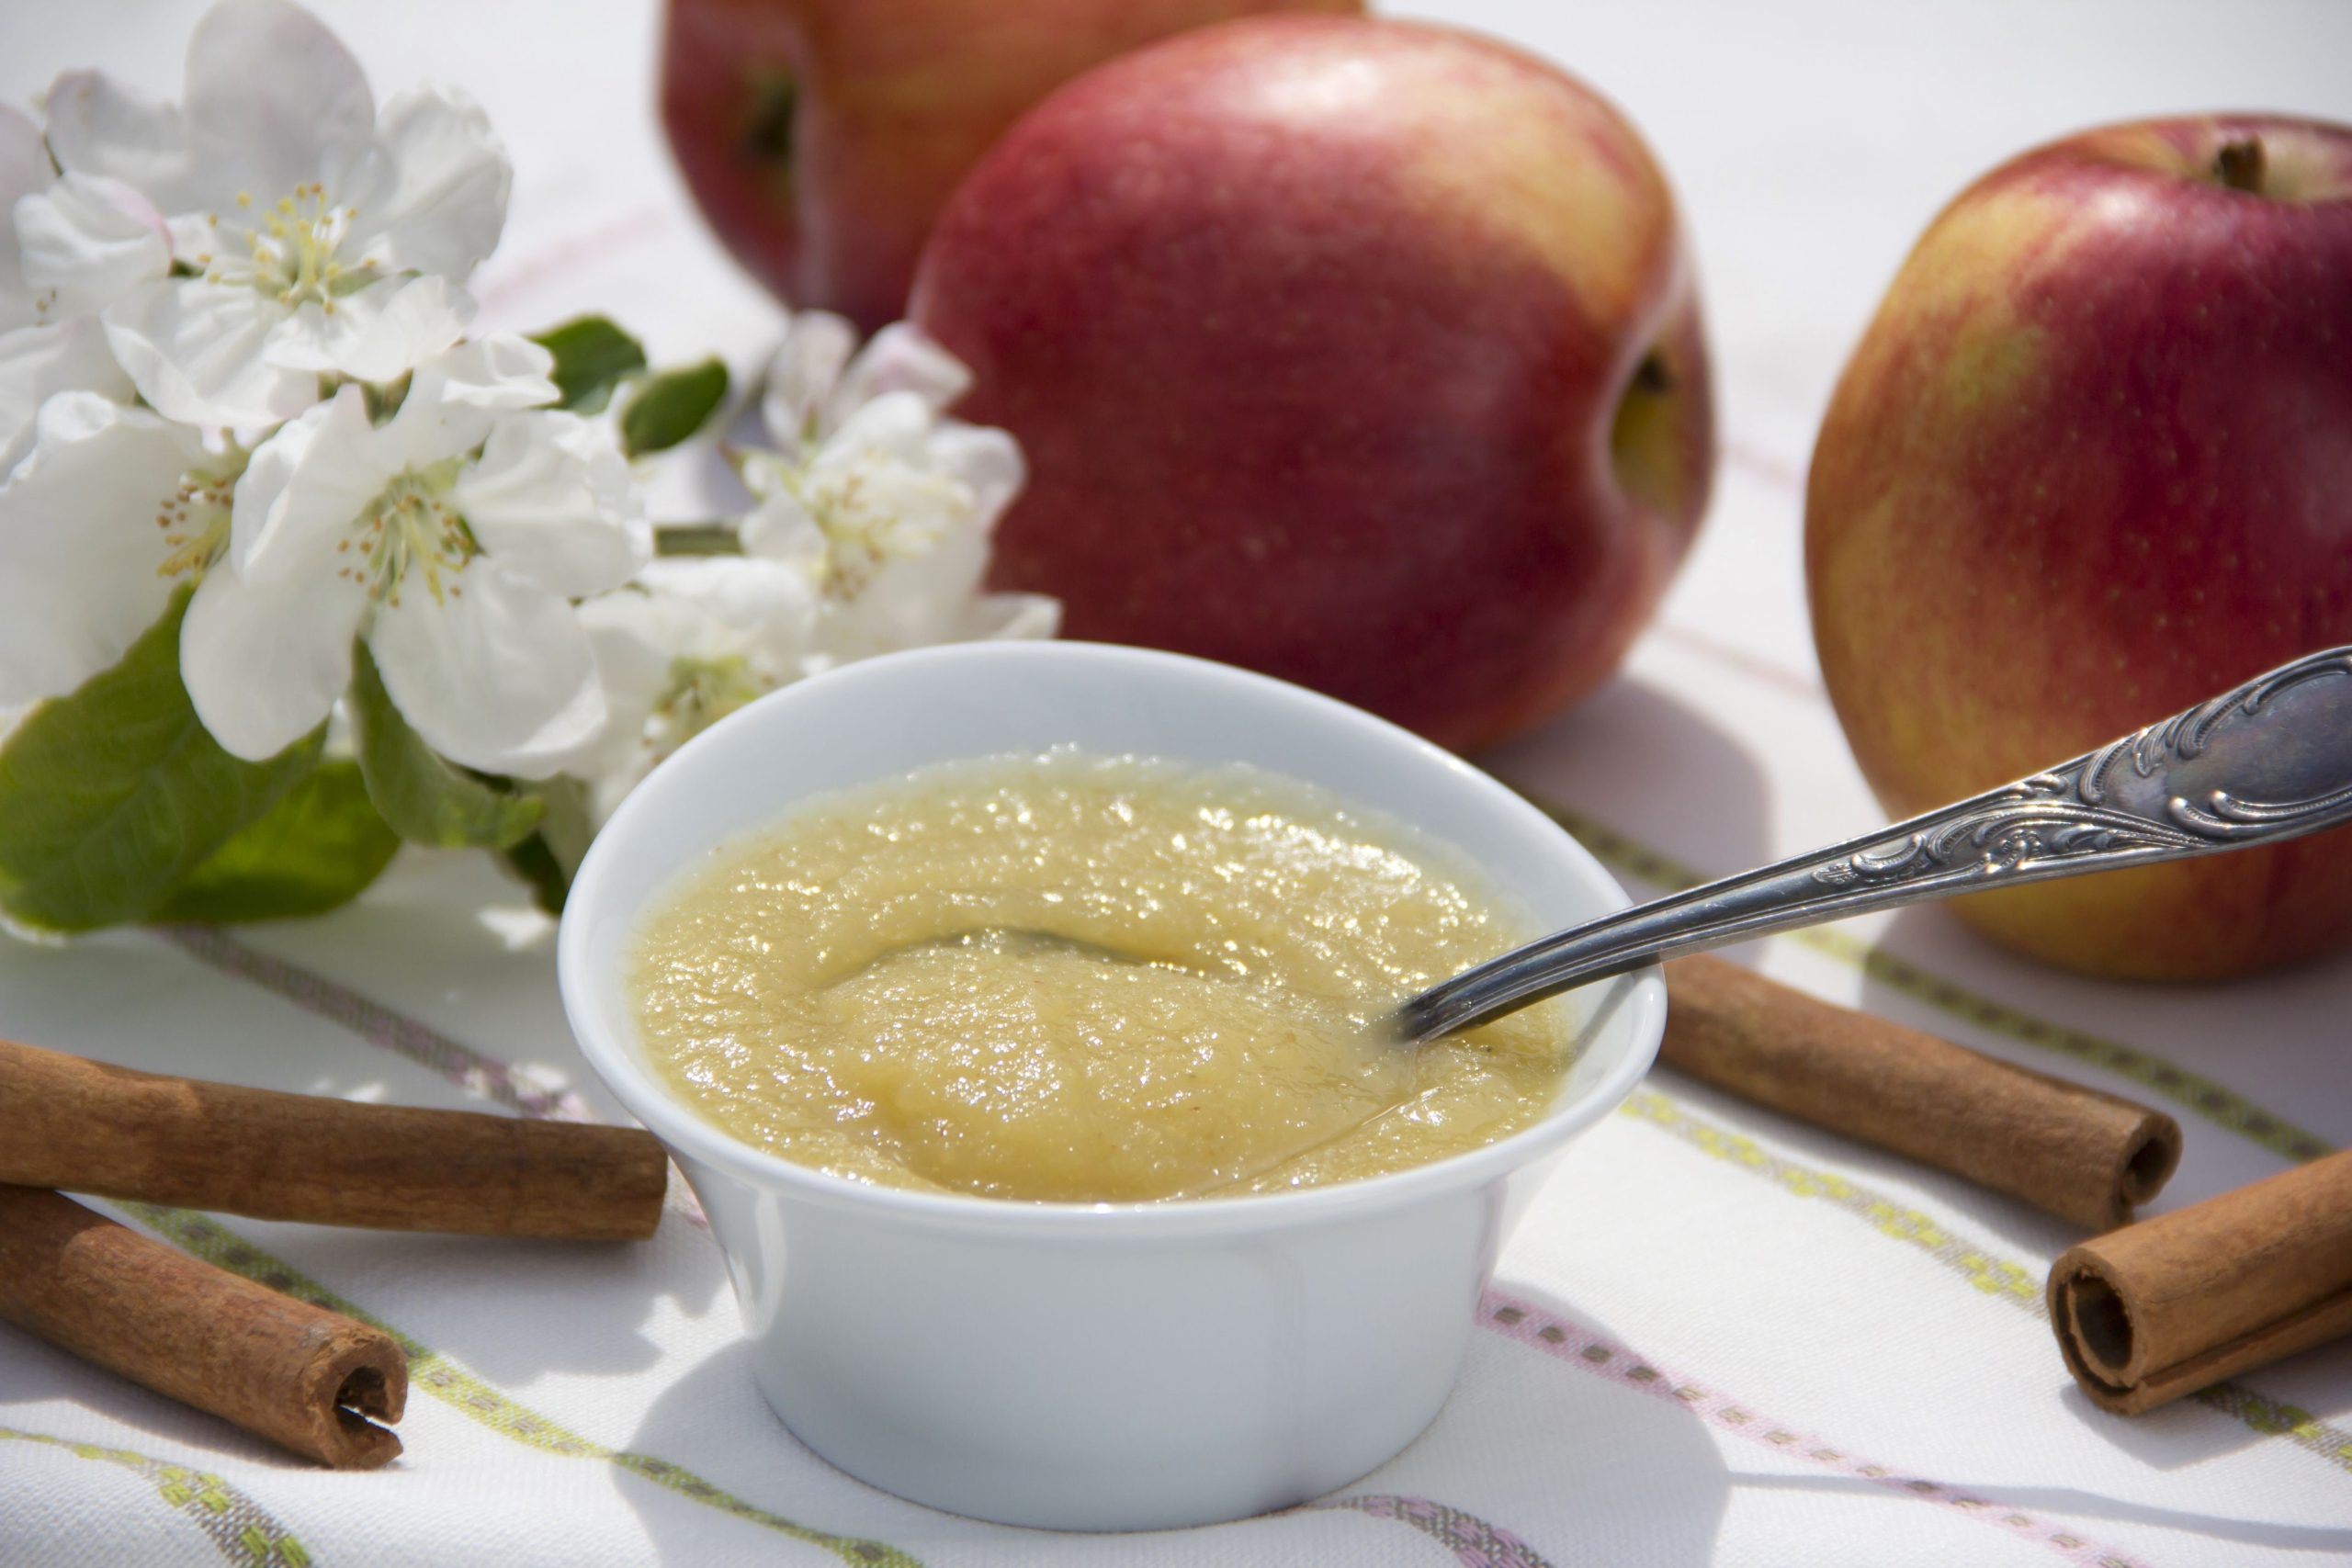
[1640, 994]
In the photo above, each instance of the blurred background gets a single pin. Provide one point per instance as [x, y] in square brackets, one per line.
[1810, 143]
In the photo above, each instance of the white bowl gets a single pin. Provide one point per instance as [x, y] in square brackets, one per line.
[1073, 1365]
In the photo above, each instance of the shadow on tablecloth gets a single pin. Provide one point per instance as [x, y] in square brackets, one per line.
[1532, 1464]
[1702, 797]
[2075, 1503]
[516, 1311]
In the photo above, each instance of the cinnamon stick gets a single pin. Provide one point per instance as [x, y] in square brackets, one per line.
[2180, 1301]
[308, 1379]
[2074, 1151]
[83, 1126]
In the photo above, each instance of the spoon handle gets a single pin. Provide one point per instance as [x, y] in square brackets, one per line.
[2266, 760]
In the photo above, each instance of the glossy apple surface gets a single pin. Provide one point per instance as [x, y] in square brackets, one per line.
[1364, 353]
[821, 137]
[2092, 464]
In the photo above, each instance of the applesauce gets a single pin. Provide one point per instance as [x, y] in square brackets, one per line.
[1078, 978]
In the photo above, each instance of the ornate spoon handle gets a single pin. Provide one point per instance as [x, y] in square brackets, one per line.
[2270, 760]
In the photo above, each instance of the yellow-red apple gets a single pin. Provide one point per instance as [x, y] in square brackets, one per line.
[2091, 464]
[1360, 352]
[821, 137]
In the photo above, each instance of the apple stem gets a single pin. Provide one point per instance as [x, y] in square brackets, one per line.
[697, 539]
[776, 98]
[2238, 163]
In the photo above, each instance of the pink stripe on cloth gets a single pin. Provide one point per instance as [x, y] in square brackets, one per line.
[1766, 466]
[1474, 1542]
[378, 1025]
[1739, 658]
[382, 1026]
[502, 286]
[1580, 1347]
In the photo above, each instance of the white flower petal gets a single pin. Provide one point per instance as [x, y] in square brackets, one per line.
[303, 489]
[455, 399]
[902, 358]
[380, 333]
[709, 610]
[987, 461]
[780, 529]
[272, 95]
[501, 371]
[88, 240]
[193, 234]
[23, 160]
[1007, 617]
[552, 501]
[24, 169]
[37, 362]
[496, 674]
[79, 544]
[635, 635]
[630, 635]
[817, 345]
[898, 424]
[739, 604]
[196, 351]
[99, 126]
[265, 662]
[449, 201]
[912, 601]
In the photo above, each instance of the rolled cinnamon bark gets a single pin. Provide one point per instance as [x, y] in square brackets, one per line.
[308, 1379]
[85, 1127]
[2074, 1151]
[2175, 1304]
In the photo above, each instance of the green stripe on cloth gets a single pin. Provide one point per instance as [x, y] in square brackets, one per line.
[1971, 1261]
[1993, 1276]
[447, 1380]
[2193, 1092]
[243, 1530]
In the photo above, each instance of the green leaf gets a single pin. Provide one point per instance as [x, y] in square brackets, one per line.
[672, 407]
[319, 847]
[113, 795]
[697, 539]
[424, 799]
[548, 858]
[534, 863]
[591, 358]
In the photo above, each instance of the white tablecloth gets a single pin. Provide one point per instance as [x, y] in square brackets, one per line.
[1721, 1336]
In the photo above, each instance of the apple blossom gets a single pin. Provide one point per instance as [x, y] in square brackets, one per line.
[820, 378]
[882, 501]
[687, 645]
[311, 232]
[49, 341]
[452, 538]
[870, 532]
[111, 509]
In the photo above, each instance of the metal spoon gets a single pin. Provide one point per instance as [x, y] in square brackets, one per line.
[2268, 761]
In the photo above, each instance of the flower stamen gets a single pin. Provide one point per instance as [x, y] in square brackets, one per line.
[411, 529]
[195, 522]
[701, 693]
[292, 249]
[870, 510]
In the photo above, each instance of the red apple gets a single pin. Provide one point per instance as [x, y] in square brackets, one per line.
[2091, 464]
[1362, 353]
[821, 136]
